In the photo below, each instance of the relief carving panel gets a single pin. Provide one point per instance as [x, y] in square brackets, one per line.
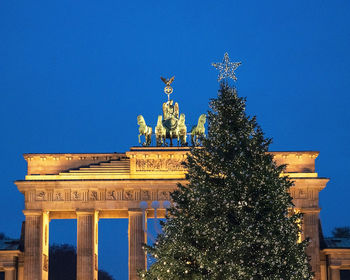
[58, 196]
[129, 195]
[41, 196]
[93, 195]
[66, 195]
[145, 195]
[159, 165]
[114, 195]
[111, 195]
[76, 195]
[163, 195]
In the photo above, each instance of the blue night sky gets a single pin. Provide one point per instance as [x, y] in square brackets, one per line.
[75, 74]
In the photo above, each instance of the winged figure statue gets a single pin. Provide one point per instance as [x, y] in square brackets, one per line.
[168, 81]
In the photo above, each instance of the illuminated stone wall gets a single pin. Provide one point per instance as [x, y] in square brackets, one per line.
[89, 187]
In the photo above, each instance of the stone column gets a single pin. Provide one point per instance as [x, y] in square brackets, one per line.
[36, 245]
[137, 237]
[87, 245]
[20, 268]
[10, 273]
[310, 230]
[335, 272]
[323, 270]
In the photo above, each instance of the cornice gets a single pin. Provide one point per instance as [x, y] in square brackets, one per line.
[330, 251]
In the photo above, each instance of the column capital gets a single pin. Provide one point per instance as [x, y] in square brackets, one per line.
[33, 212]
[334, 263]
[334, 266]
[9, 267]
[86, 211]
[310, 210]
[135, 211]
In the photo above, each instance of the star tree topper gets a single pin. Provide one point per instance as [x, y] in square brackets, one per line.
[226, 68]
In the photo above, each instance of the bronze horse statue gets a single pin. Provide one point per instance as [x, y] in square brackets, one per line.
[198, 130]
[144, 130]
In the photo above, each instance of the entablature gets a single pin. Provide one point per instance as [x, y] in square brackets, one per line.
[143, 163]
[119, 181]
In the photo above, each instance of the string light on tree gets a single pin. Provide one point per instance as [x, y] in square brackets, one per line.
[226, 68]
[232, 220]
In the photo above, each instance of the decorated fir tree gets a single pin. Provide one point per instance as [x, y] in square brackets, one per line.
[233, 220]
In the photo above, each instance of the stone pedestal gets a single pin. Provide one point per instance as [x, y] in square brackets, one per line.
[36, 252]
[87, 245]
[137, 237]
[10, 273]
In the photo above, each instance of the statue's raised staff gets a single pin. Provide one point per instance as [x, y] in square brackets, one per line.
[144, 130]
[198, 131]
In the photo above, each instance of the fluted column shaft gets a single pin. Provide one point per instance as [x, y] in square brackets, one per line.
[137, 237]
[36, 245]
[20, 268]
[310, 221]
[87, 245]
[335, 272]
[10, 273]
[323, 270]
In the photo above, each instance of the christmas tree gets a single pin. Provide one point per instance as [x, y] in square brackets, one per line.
[234, 218]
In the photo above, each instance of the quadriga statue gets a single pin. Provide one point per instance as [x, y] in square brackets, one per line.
[170, 126]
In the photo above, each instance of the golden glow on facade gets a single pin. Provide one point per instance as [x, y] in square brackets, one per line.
[89, 187]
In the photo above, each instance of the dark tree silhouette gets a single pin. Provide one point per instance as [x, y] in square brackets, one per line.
[341, 232]
[63, 263]
[104, 275]
[3, 236]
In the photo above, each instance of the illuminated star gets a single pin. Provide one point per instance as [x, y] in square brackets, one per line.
[226, 68]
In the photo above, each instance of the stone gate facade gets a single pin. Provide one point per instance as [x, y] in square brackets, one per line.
[90, 187]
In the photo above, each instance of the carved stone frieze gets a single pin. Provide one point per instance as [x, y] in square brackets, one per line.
[114, 195]
[58, 196]
[163, 195]
[302, 194]
[76, 195]
[111, 195]
[93, 195]
[145, 195]
[66, 195]
[129, 195]
[41, 195]
[159, 165]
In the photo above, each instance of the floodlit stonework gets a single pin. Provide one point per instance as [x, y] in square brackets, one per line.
[89, 187]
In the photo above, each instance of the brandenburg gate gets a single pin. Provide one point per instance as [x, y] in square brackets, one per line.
[135, 185]
[89, 187]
